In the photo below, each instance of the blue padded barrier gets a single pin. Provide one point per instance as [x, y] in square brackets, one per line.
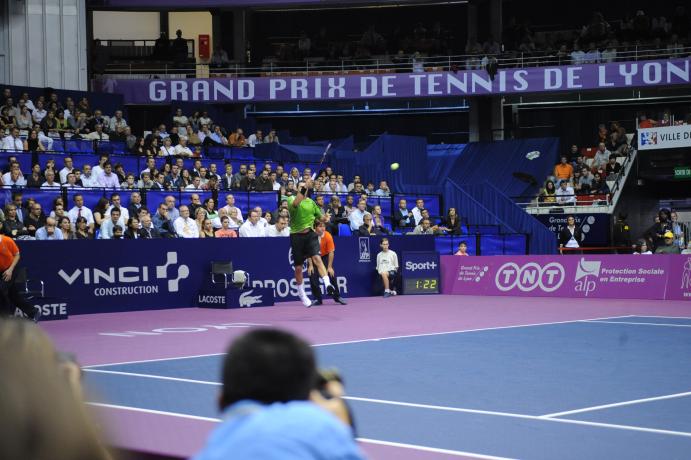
[91, 197]
[23, 159]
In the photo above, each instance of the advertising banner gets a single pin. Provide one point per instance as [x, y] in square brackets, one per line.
[594, 226]
[235, 298]
[664, 137]
[122, 275]
[573, 276]
[420, 272]
[402, 85]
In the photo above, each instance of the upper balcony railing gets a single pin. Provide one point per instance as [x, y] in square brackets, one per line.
[382, 64]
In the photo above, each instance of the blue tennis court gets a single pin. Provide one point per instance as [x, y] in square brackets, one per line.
[608, 388]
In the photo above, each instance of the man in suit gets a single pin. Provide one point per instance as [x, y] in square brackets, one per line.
[227, 178]
[570, 237]
[135, 204]
[402, 217]
[148, 231]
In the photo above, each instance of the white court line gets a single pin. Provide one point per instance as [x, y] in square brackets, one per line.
[370, 340]
[670, 317]
[152, 376]
[363, 440]
[156, 412]
[619, 404]
[540, 418]
[635, 324]
[456, 453]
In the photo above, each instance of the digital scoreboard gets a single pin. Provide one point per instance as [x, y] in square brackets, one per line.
[420, 272]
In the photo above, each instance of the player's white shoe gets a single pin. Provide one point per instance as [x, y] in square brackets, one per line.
[306, 301]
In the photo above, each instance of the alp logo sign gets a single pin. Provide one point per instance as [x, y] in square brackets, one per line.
[247, 300]
[136, 279]
[530, 277]
[586, 269]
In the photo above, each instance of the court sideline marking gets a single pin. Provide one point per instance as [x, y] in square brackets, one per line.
[619, 404]
[633, 323]
[548, 418]
[456, 453]
[428, 334]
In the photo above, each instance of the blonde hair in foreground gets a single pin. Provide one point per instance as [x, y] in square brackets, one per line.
[41, 412]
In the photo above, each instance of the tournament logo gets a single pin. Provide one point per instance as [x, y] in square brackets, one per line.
[586, 269]
[363, 245]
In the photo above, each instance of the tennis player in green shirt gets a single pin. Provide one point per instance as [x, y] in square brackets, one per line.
[304, 241]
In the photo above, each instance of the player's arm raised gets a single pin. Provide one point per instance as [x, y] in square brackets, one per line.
[303, 187]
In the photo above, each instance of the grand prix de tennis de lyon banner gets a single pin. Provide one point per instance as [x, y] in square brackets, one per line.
[402, 85]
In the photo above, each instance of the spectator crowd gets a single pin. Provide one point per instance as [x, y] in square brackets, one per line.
[584, 172]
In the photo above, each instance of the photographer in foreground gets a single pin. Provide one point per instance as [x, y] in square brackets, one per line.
[269, 379]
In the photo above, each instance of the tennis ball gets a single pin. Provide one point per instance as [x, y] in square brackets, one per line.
[394, 166]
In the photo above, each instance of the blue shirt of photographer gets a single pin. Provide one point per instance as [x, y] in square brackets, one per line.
[298, 430]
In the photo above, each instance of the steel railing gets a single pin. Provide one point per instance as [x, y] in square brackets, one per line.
[316, 67]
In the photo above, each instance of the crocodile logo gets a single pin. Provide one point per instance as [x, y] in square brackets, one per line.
[247, 300]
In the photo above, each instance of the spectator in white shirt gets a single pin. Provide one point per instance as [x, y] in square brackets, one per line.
[14, 165]
[577, 55]
[79, 210]
[186, 227]
[117, 203]
[280, 229]
[276, 186]
[256, 138]
[179, 119]
[108, 179]
[108, 224]
[417, 210]
[167, 149]
[182, 149]
[357, 217]
[97, 134]
[88, 178]
[16, 179]
[69, 166]
[565, 193]
[252, 227]
[205, 119]
[601, 156]
[117, 124]
[99, 168]
[383, 189]
[387, 265]
[196, 184]
[230, 205]
[50, 180]
[271, 138]
[40, 113]
[13, 142]
[262, 220]
[332, 185]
